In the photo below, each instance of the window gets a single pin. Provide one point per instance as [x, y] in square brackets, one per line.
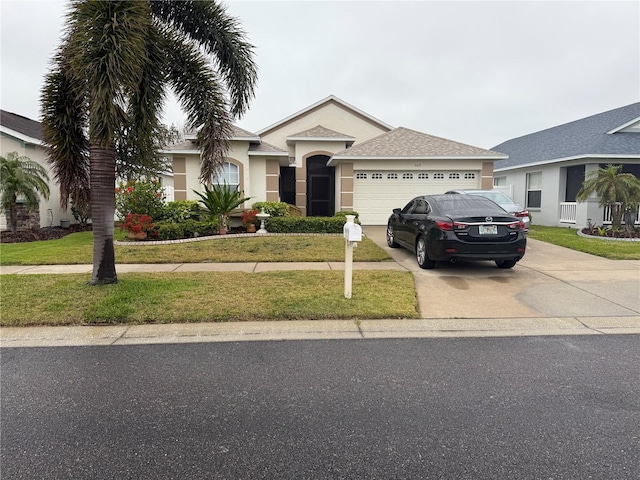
[499, 181]
[376, 176]
[438, 176]
[423, 176]
[534, 190]
[407, 176]
[469, 176]
[454, 176]
[229, 174]
[361, 176]
[392, 176]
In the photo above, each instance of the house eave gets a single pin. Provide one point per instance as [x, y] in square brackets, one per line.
[567, 159]
[267, 154]
[413, 158]
[21, 136]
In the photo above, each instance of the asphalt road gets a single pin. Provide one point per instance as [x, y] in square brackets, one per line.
[477, 408]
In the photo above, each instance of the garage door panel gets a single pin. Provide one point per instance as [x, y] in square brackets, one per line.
[375, 196]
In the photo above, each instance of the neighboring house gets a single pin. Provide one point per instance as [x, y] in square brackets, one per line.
[333, 157]
[545, 170]
[23, 135]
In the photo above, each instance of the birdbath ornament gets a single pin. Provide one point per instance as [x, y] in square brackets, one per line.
[262, 217]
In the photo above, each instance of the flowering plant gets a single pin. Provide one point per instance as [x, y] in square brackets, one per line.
[137, 223]
[140, 196]
[248, 217]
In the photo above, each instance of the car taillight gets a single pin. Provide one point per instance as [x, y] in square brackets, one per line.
[448, 226]
[442, 225]
[517, 225]
[522, 214]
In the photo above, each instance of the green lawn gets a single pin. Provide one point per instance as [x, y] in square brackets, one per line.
[568, 237]
[77, 248]
[205, 297]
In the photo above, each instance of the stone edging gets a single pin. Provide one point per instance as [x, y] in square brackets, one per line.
[584, 235]
[224, 237]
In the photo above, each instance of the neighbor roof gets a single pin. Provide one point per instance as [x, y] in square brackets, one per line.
[22, 125]
[590, 136]
[405, 143]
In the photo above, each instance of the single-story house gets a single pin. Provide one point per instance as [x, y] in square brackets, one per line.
[545, 170]
[326, 158]
[333, 157]
[23, 135]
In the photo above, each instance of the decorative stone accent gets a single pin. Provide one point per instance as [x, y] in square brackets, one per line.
[27, 220]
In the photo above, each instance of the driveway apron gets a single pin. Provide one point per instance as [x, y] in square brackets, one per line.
[550, 281]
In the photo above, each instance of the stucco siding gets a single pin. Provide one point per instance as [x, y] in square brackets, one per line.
[50, 211]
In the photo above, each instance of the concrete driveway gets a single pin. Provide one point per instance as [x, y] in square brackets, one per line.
[550, 281]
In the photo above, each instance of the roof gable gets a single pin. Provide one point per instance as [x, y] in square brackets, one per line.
[330, 100]
[406, 143]
[614, 133]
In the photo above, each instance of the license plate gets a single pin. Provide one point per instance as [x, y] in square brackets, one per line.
[488, 229]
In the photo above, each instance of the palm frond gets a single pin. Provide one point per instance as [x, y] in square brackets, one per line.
[203, 100]
[107, 47]
[208, 24]
[64, 123]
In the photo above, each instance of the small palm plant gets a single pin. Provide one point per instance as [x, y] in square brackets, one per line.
[619, 191]
[220, 200]
[21, 177]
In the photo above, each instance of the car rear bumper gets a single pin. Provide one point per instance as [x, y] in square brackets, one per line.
[444, 251]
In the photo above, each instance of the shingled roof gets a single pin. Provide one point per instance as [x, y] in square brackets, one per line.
[20, 124]
[320, 133]
[585, 137]
[405, 143]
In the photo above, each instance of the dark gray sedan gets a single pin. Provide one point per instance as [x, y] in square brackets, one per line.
[445, 228]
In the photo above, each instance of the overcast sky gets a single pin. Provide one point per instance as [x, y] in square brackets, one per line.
[475, 72]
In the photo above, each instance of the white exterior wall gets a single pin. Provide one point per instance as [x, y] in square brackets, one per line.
[37, 153]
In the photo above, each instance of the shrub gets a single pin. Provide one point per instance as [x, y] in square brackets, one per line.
[182, 210]
[275, 209]
[188, 229]
[137, 223]
[140, 196]
[344, 214]
[305, 224]
[169, 231]
[81, 210]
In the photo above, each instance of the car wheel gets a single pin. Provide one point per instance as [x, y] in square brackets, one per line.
[506, 263]
[421, 254]
[391, 238]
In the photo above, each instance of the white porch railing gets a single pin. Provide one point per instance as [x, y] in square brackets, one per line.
[606, 218]
[568, 212]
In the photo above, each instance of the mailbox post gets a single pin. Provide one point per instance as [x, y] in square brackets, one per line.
[352, 235]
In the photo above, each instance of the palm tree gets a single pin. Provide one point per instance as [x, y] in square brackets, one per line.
[21, 177]
[108, 84]
[619, 191]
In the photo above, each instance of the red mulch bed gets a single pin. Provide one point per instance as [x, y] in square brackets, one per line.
[35, 235]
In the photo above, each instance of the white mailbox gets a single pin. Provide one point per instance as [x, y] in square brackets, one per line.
[352, 231]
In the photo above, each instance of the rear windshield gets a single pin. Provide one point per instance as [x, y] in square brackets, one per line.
[467, 205]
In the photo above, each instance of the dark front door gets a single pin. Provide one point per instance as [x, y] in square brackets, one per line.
[320, 187]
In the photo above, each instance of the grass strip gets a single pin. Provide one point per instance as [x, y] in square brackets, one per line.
[138, 298]
[77, 248]
[568, 237]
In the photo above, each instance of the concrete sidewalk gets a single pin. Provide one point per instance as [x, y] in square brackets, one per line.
[552, 291]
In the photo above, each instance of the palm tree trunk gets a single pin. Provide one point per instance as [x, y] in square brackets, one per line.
[103, 183]
[13, 215]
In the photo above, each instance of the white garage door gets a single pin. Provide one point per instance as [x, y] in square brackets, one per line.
[377, 193]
